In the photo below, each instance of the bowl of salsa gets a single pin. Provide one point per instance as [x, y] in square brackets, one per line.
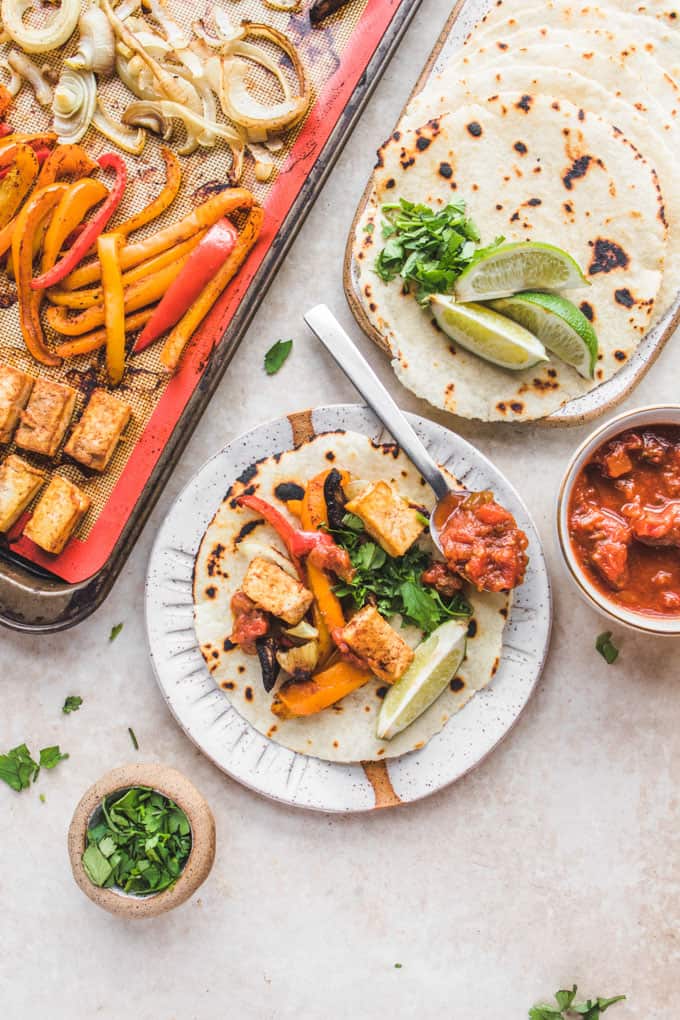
[618, 519]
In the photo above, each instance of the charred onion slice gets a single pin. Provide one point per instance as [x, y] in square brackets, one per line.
[59, 27]
[266, 653]
[124, 137]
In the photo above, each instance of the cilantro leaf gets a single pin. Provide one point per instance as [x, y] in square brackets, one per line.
[115, 631]
[544, 1013]
[591, 1009]
[606, 647]
[72, 704]
[276, 355]
[51, 756]
[17, 768]
[606, 1003]
[565, 997]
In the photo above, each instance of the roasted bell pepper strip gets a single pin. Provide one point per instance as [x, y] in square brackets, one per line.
[66, 161]
[307, 697]
[94, 295]
[203, 216]
[5, 129]
[108, 248]
[95, 340]
[40, 140]
[6, 100]
[182, 333]
[173, 178]
[200, 268]
[74, 206]
[16, 185]
[93, 229]
[140, 294]
[29, 219]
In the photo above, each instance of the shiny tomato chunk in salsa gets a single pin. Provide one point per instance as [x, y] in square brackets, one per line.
[481, 542]
[624, 519]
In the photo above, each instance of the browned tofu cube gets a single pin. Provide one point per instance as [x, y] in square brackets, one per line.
[15, 389]
[19, 482]
[370, 637]
[57, 515]
[46, 417]
[387, 518]
[96, 435]
[275, 591]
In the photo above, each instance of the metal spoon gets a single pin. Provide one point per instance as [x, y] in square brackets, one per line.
[326, 327]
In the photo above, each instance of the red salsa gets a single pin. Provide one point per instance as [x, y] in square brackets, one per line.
[624, 519]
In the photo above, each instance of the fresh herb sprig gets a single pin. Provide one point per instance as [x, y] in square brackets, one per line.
[19, 769]
[391, 583]
[428, 248]
[277, 355]
[141, 844]
[566, 1007]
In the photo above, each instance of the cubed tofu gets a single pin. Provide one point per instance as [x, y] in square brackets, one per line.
[384, 651]
[55, 518]
[275, 591]
[387, 518]
[19, 482]
[96, 435]
[15, 389]
[46, 416]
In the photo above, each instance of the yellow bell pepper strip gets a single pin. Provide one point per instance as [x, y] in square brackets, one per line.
[307, 697]
[173, 179]
[39, 140]
[294, 506]
[140, 294]
[17, 183]
[66, 161]
[94, 295]
[108, 248]
[74, 206]
[95, 340]
[203, 216]
[182, 333]
[39, 205]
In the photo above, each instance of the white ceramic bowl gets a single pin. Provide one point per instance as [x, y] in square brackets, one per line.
[658, 414]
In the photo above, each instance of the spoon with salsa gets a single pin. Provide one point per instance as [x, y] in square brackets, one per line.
[478, 538]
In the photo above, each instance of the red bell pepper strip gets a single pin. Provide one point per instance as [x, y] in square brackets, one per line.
[5, 129]
[93, 227]
[321, 546]
[201, 266]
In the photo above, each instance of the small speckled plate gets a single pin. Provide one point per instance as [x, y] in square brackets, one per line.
[207, 717]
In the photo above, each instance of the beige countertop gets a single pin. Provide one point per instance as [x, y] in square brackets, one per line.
[555, 861]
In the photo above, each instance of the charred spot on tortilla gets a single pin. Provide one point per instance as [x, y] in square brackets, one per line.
[579, 168]
[214, 558]
[496, 664]
[228, 645]
[521, 148]
[381, 692]
[390, 183]
[500, 406]
[581, 115]
[624, 297]
[514, 217]
[396, 135]
[372, 306]
[248, 693]
[228, 685]
[502, 46]
[246, 529]
[474, 128]
[423, 143]
[620, 355]
[524, 103]
[211, 592]
[587, 310]
[552, 373]
[248, 474]
[607, 256]
[517, 406]
[408, 161]
[534, 201]
[285, 491]
[457, 684]
[446, 170]
[504, 611]
[499, 207]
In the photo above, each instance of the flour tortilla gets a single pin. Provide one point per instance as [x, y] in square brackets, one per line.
[345, 732]
[617, 200]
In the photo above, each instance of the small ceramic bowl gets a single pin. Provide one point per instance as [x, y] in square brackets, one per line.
[658, 414]
[172, 784]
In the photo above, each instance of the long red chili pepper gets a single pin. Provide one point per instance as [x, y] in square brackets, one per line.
[93, 228]
[204, 261]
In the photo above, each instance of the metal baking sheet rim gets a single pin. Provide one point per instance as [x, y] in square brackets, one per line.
[32, 599]
[608, 394]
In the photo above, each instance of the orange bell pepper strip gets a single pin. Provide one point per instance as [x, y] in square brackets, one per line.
[108, 249]
[307, 697]
[140, 294]
[17, 183]
[6, 100]
[203, 216]
[95, 340]
[41, 139]
[173, 179]
[182, 333]
[66, 161]
[39, 206]
[74, 206]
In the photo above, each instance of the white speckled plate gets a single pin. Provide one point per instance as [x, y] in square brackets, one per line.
[205, 714]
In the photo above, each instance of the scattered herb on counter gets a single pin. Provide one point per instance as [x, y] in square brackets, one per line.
[393, 584]
[133, 738]
[51, 756]
[606, 647]
[276, 355]
[140, 845]
[590, 1009]
[397, 966]
[72, 704]
[18, 769]
[43, 798]
[115, 631]
[428, 248]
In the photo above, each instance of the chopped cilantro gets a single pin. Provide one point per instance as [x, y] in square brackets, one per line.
[606, 647]
[276, 355]
[115, 631]
[566, 1007]
[51, 756]
[72, 704]
[18, 769]
[133, 738]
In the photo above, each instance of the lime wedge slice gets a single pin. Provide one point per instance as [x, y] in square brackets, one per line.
[488, 334]
[558, 323]
[434, 665]
[526, 265]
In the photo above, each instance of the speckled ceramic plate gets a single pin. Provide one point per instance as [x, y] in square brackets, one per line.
[205, 714]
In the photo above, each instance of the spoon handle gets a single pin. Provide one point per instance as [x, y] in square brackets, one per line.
[323, 323]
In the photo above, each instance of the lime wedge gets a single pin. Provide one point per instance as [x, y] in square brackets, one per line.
[526, 265]
[558, 323]
[491, 336]
[434, 665]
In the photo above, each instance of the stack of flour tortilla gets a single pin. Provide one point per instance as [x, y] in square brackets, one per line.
[556, 122]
